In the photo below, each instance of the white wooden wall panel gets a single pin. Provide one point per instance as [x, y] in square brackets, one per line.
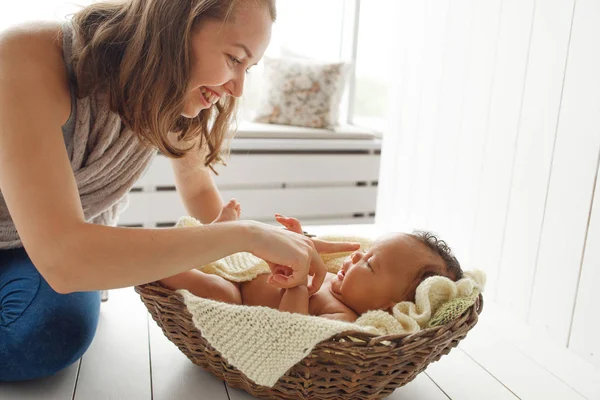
[586, 327]
[431, 76]
[412, 84]
[316, 169]
[389, 194]
[473, 125]
[498, 156]
[262, 204]
[572, 178]
[160, 173]
[541, 100]
[335, 173]
[448, 121]
[138, 210]
[510, 186]
[263, 169]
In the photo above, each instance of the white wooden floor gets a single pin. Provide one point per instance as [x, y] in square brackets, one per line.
[130, 359]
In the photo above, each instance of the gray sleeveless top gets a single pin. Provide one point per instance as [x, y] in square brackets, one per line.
[106, 158]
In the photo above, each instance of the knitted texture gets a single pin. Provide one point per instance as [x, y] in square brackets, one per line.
[263, 343]
[452, 309]
[106, 159]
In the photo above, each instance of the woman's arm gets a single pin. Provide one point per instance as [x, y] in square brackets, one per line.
[40, 191]
[196, 187]
[39, 188]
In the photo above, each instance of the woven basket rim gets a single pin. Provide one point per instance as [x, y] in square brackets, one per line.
[367, 336]
[350, 365]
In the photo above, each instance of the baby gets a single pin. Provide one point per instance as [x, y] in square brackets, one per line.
[374, 279]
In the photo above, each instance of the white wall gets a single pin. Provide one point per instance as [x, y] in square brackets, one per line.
[495, 145]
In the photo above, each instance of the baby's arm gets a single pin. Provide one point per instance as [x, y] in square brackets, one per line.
[295, 300]
[200, 283]
[208, 286]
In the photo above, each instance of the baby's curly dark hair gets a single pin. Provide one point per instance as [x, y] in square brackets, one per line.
[441, 248]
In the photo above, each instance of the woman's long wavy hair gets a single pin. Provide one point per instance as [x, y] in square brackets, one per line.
[139, 52]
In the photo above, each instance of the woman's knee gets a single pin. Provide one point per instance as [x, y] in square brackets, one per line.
[49, 338]
[46, 333]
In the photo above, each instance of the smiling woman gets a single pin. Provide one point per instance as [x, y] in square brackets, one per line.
[108, 89]
[236, 43]
[177, 53]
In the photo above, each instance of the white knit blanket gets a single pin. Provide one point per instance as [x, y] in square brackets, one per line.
[263, 343]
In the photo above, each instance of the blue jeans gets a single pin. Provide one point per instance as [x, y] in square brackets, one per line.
[41, 331]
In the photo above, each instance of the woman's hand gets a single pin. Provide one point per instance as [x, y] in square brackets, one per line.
[292, 257]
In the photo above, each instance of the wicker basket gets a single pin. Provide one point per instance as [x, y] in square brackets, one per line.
[361, 368]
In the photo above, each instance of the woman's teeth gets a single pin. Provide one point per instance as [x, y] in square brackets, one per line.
[209, 96]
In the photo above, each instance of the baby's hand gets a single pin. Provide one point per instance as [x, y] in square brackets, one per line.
[291, 224]
[279, 271]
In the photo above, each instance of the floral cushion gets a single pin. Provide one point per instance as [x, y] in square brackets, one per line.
[301, 93]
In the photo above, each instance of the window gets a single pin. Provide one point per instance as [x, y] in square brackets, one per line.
[333, 30]
[304, 28]
[373, 63]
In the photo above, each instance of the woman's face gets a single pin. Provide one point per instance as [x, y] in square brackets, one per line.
[222, 52]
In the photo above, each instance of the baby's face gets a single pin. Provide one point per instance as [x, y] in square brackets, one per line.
[385, 274]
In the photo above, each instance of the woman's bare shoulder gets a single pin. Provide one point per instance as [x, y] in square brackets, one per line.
[34, 49]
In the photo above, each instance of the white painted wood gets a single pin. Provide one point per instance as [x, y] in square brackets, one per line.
[505, 111]
[160, 173]
[586, 328]
[408, 110]
[248, 129]
[369, 231]
[525, 378]
[573, 370]
[264, 164]
[474, 120]
[334, 221]
[242, 144]
[57, 387]
[392, 135]
[138, 210]
[447, 127]
[263, 204]
[462, 378]
[541, 100]
[176, 377]
[431, 70]
[247, 170]
[116, 366]
[572, 179]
